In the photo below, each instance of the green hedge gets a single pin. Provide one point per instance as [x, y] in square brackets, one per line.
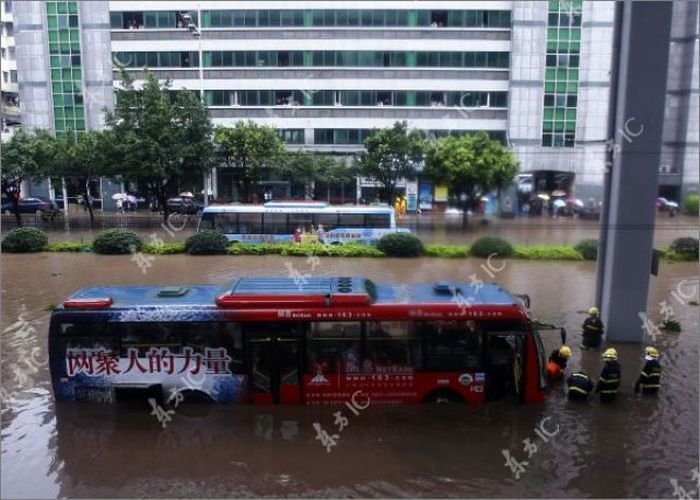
[685, 248]
[24, 240]
[164, 248]
[294, 249]
[489, 245]
[400, 245]
[68, 246]
[207, 243]
[546, 252]
[259, 249]
[117, 242]
[691, 204]
[446, 251]
[588, 248]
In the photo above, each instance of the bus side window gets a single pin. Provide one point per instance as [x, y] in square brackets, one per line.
[92, 336]
[301, 221]
[207, 221]
[334, 347]
[276, 223]
[328, 221]
[377, 221]
[148, 335]
[350, 221]
[226, 222]
[233, 341]
[451, 345]
[390, 346]
[250, 223]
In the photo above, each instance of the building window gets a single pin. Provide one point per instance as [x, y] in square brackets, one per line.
[65, 64]
[561, 74]
[8, 6]
[291, 136]
[358, 59]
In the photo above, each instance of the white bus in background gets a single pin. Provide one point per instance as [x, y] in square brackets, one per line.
[277, 221]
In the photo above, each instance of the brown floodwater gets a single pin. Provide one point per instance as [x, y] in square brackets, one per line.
[635, 447]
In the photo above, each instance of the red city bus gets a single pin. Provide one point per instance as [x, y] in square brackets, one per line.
[297, 341]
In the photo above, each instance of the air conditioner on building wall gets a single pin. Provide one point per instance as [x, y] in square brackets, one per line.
[664, 169]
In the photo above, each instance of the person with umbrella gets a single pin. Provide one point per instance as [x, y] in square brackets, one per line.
[119, 201]
[131, 202]
[186, 202]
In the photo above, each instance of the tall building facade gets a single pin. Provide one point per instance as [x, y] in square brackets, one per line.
[9, 90]
[534, 74]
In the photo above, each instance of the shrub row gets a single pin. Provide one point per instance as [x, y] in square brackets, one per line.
[546, 252]
[120, 241]
[691, 204]
[446, 251]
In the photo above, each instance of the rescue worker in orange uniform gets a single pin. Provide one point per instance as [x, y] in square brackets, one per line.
[557, 362]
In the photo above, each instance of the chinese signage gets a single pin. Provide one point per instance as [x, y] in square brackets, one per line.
[101, 362]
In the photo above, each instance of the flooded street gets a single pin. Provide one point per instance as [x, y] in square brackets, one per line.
[634, 447]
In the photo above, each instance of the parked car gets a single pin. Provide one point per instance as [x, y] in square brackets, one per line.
[665, 205]
[45, 208]
[190, 206]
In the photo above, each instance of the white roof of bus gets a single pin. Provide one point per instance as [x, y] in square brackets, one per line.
[301, 208]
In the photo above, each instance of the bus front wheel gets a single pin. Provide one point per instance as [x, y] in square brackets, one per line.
[443, 396]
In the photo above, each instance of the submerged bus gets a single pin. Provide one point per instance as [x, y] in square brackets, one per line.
[277, 221]
[280, 341]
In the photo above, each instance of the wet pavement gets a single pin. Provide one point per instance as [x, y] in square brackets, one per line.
[635, 447]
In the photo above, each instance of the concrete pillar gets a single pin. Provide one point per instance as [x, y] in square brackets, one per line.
[639, 99]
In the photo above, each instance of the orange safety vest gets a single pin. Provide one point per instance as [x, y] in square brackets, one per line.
[554, 371]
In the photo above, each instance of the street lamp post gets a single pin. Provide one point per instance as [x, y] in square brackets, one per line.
[196, 31]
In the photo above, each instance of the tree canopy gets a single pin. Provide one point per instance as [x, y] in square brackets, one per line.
[391, 154]
[26, 156]
[471, 164]
[304, 167]
[83, 157]
[161, 136]
[249, 150]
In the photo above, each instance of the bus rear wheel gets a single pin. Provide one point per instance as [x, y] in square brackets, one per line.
[443, 396]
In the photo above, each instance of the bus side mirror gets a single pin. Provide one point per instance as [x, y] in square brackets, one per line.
[525, 298]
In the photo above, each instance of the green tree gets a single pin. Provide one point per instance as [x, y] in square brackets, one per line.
[336, 174]
[249, 150]
[162, 137]
[391, 153]
[84, 157]
[26, 156]
[307, 168]
[470, 164]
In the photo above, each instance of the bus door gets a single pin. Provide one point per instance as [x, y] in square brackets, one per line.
[274, 365]
[505, 358]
